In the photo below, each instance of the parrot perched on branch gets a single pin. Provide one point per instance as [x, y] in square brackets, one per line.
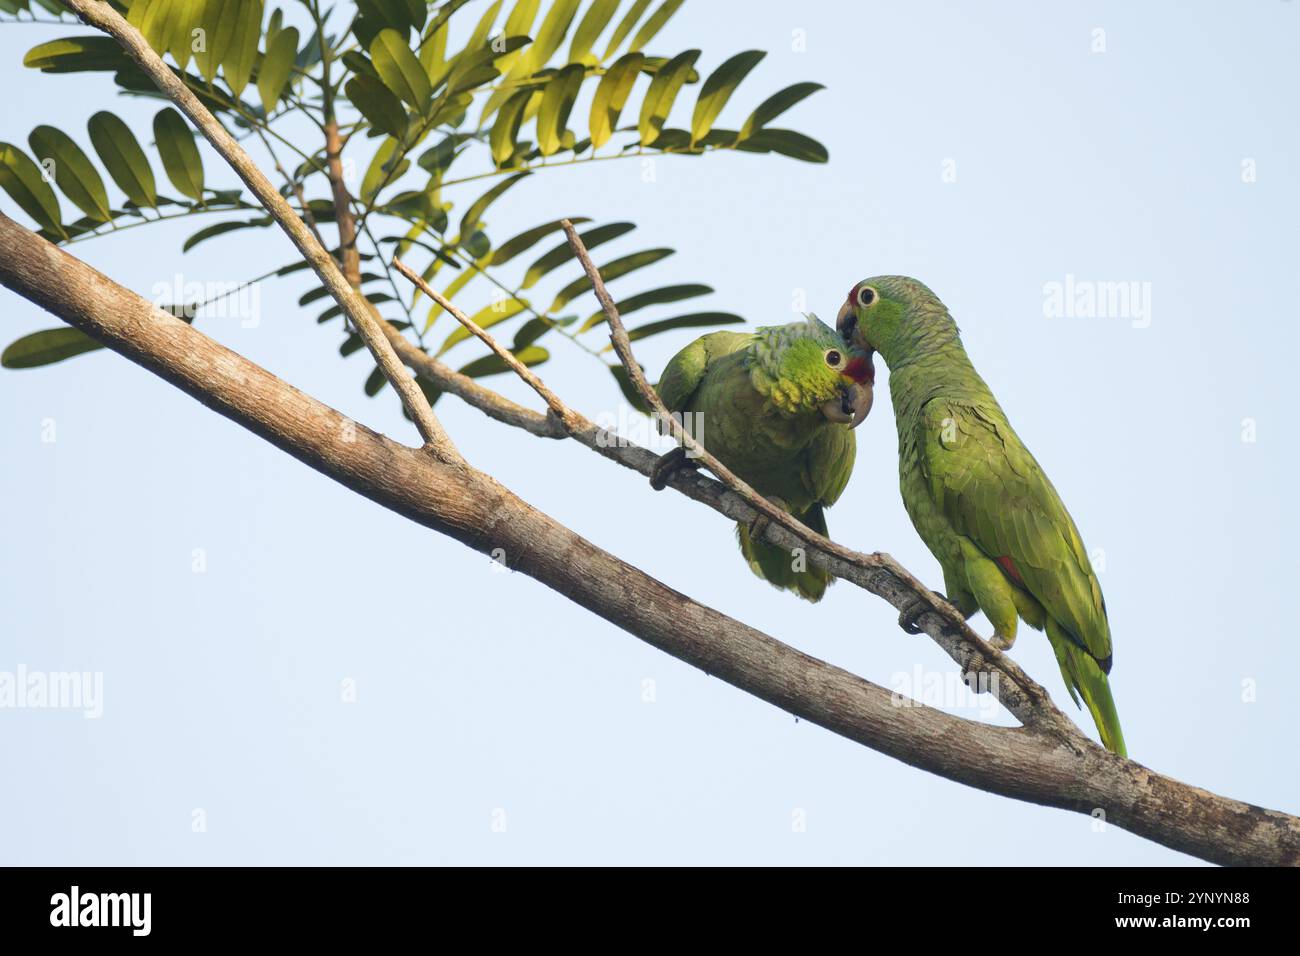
[977, 497]
[777, 406]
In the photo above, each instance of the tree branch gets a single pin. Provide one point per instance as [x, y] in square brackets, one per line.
[877, 573]
[455, 499]
[561, 411]
[100, 15]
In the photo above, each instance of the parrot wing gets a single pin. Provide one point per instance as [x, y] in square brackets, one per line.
[829, 463]
[991, 490]
[686, 370]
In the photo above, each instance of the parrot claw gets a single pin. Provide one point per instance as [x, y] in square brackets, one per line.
[1002, 643]
[667, 464]
[759, 525]
[907, 619]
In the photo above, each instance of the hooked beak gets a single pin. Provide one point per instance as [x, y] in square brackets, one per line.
[846, 323]
[851, 405]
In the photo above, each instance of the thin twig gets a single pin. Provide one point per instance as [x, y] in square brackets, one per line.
[567, 416]
[623, 347]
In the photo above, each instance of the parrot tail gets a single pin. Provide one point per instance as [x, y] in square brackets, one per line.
[782, 569]
[1082, 673]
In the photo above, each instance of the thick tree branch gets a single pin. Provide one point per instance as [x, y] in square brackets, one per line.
[100, 15]
[456, 500]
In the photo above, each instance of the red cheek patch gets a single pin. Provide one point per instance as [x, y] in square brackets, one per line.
[861, 369]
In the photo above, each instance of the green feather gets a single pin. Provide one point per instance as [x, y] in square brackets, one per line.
[754, 400]
[979, 499]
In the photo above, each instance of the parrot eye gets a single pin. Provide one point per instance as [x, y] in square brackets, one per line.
[835, 359]
[866, 296]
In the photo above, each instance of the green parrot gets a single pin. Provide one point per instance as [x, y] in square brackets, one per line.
[977, 497]
[777, 406]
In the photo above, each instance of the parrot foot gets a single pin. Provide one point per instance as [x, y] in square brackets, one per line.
[673, 461]
[907, 619]
[1002, 642]
[759, 525]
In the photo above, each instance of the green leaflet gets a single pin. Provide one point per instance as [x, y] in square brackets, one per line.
[334, 311]
[220, 228]
[504, 136]
[484, 318]
[46, 347]
[527, 239]
[23, 180]
[591, 26]
[375, 382]
[217, 32]
[453, 289]
[77, 54]
[557, 103]
[167, 25]
[562, 253]
[474, 214]
[484, 27]
[432, 52]
[241, 53]
[776, 104]
[625, 27]
[691, 321]
[717, 90]
[73, 171]
[402, 15]
[180, 157]
[276, 67]
[654, 24]
[669, 293]
[549, 35]
[378, 175]
[628, 389]
[519, 23]
[535, 328]
[377, 104]
[786, 142]
[400, 70]
[521, 18]
[492, 365]
[123, 157]
[663, 91]
[611, 95]
[608, 272]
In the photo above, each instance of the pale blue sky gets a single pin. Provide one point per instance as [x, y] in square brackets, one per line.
[480, 691]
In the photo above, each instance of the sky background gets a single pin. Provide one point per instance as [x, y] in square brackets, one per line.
[494, 721]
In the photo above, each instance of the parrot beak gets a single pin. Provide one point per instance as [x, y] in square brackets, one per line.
[846, 323]
[851, 406]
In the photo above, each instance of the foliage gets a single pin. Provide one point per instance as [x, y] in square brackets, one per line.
[434, 118]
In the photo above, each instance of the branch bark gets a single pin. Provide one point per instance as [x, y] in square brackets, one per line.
[100, 15]
[455, 499]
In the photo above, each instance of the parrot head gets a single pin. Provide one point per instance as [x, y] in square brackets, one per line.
[895, 316]
[806, 366]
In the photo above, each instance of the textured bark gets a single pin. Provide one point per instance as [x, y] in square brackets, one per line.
[350, 300]
[453, 498]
